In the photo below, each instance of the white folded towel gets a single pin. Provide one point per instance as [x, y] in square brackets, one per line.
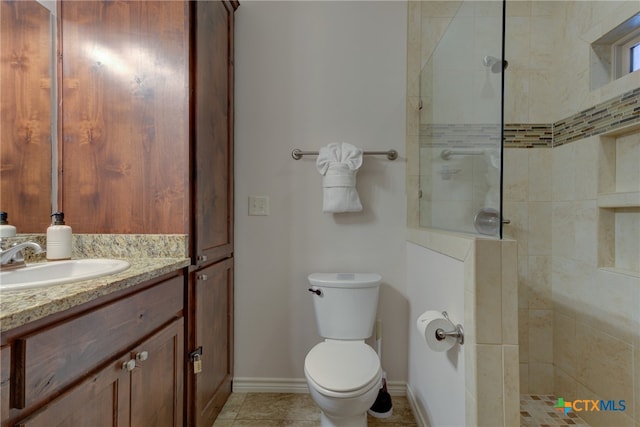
[338, 165]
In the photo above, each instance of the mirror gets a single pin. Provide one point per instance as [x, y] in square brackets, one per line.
[28, 120]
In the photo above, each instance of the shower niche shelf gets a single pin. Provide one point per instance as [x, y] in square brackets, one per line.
[629, 199]
[619, 202]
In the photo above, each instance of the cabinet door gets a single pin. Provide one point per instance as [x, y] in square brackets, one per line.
[102, 400]
[213, 324]
[213, 123]
[157, 393]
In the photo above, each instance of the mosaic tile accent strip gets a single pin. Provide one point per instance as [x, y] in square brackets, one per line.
[460, 135]
[528, 135]
[607, 116]
[539, 411]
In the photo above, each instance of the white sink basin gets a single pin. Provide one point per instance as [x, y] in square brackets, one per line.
[59, 272]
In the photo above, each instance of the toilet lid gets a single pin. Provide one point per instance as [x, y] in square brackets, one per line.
[342, 366]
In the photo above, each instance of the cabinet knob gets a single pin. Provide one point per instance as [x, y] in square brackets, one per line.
[142, 356]
[201, 258]
[202, 277]
[129, 365]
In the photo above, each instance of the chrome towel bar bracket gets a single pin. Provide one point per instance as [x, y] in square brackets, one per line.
[391, 154]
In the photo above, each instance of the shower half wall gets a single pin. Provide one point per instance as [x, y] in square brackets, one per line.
[472, 276]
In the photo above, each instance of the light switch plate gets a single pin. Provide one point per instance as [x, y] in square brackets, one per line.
[258, 205]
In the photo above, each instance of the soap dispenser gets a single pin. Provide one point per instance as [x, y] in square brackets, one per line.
[6, 230]
[58, 239]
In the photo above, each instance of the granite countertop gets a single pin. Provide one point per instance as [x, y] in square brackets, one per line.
[21, 307]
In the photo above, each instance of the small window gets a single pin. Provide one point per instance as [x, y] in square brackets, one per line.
[627, 53]
[616, 54]
[634, 56]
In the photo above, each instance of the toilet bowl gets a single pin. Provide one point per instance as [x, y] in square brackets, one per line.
[343, 372]
[344, 378]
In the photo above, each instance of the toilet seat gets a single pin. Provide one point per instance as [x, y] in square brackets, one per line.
[343, 368]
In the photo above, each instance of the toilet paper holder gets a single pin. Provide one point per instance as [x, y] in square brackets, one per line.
[458, 332]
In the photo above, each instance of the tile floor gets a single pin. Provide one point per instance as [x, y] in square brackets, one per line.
[294, 410]
[539, 411]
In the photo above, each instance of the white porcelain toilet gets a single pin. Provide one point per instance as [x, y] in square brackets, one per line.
[343, 372]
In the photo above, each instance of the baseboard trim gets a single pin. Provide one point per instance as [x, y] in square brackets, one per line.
[295, 385]
[415, 408]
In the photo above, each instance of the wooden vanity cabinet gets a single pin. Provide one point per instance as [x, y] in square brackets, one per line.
[118, 363]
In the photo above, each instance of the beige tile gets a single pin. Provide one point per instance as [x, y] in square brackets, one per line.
[509, 292]
[517, 229]
[563, 229]
[401, 416]
[586, 231]
[523, 334]
[564, 343]
[470, 366]
[295, 410]
[275, 423]
[523, 281]
[627, 239]
[636, 369]
[516, 175]
[564, 385]
[586, 160]
[607, 165]
[490, 383]
[540, 378]
[627, 161]
[606, 237]
[608, 304]
[511, 386]
[605, 364]
[524, 378]
[563, 172]
[278, 406]
[488, 292]
[539, 284]
[539, 176]
[539, 231]
[602, 418]
[540, 336]
[231, 408]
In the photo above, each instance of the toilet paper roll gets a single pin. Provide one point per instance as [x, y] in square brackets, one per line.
[428, 323]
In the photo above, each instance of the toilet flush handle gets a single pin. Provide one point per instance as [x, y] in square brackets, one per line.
[316, 291]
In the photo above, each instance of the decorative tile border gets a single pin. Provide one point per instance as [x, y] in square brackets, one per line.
[528, 135]
[607, 116]
[604, 117]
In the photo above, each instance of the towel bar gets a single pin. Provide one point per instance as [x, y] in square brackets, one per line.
[298, 153]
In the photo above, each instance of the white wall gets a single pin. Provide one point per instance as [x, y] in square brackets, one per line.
[307, 74]
[437, 380]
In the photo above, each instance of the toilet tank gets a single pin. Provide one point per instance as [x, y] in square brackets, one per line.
[346, 305]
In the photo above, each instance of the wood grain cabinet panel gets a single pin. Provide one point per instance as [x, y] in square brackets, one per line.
[212, 317]
[148, 395]
[49, 359]
[5, 378]
[213, 126]
[118, 363]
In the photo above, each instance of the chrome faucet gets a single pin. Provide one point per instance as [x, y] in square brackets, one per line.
[12, 257]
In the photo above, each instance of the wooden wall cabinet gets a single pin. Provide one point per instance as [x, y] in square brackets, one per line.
[119, 363]
[146, 146]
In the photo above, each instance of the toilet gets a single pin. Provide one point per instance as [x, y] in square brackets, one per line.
[343, 372]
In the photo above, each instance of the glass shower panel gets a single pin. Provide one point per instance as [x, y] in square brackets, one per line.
[461, 120]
